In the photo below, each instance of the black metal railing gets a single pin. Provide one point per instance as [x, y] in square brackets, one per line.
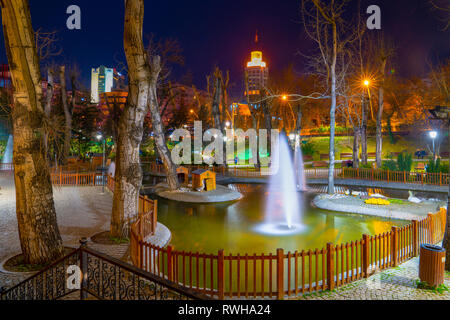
[88, 274]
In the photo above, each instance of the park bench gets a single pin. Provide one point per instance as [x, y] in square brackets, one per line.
[444, 154]
[307, 158]
[324, 156]
[420, 166]
[320, 164]
[346, 155]
[370, 155]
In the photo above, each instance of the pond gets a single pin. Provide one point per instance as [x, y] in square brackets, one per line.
[233, 226]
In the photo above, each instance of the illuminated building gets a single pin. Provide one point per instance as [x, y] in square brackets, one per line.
[102, 80]
[257, 73]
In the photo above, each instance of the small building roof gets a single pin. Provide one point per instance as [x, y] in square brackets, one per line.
[199, 171]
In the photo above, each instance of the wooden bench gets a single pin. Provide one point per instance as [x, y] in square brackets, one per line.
[346, 155]
[320, 164]
[370, 155]
[324, 156]
[420, 166]
[307, 158]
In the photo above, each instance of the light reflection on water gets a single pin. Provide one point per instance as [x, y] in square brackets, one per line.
[231, 226]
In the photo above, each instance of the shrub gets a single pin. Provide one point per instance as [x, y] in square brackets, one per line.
[389, 165]
[434, 165]
[308, 148]
[404, 162]
[365, 166]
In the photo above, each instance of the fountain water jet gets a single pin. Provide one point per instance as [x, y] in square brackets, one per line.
[283, 206]
[299, 166]
[8, 155]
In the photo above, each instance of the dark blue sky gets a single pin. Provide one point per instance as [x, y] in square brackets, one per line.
[220, 32]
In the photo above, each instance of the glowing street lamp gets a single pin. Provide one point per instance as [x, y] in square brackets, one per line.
[99, 138]
[284, 97]
[228, 124]
[366, 83]
[433, 135]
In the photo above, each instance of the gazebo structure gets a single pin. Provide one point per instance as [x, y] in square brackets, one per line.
[204, 179]
[183, 175]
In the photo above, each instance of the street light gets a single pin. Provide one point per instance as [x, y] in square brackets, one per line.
[433, 135]
[99, 138]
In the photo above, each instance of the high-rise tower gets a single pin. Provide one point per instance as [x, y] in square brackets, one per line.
[257, 72]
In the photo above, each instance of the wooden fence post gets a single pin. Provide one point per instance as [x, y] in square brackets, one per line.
[404, 176]
[415, 238]
[169, 263]
[365, 256]
[394, 241]
[280, 274]
[330, 266]
[431, 227]
[220, 275]
[155, 216]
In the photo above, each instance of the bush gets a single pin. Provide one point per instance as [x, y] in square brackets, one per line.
[365, 166]
[389, 165]
[308, 148]
[436, 166]
[404, 162]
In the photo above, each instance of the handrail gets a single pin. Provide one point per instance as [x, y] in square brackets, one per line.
[56, 287]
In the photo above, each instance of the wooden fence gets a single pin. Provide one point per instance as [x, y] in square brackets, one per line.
[440, 179]
[287, 274]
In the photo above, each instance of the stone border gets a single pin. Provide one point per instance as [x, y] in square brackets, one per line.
[221, 194]
[161, 238]
[325, 201]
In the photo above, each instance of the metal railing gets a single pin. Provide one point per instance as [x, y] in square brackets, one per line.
[99, 277]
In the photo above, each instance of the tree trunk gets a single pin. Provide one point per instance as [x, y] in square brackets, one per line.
[332, 113]
[160, 140]
[356, 141]
[67, 115]
[216, 100]
[379, 135]
[446, 241]
[364, 131]
[48, 104]
[128, 175]
[40, 239]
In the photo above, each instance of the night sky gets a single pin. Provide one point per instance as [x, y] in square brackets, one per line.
[220, 32]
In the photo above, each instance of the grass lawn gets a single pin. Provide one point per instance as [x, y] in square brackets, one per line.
[409, 143]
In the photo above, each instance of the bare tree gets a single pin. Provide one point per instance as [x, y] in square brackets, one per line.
[40, 239]
[67, 113]
[324, 23]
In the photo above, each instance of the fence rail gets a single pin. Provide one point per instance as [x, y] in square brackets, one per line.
[440, 179]
[287, 274]
[102, 277]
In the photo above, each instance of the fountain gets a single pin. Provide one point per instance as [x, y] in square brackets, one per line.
[283, 206]
[8, 155]
[299, 167]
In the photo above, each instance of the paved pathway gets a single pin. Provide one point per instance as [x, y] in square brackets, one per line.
[81, 212]
[398, 283]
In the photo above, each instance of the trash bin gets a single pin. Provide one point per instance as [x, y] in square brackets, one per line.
[432, 264]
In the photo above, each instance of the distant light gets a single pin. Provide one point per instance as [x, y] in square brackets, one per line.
[433, 134]
[366, 83]
[284, 98]
[228, 123]
[192, 111]
[99, 137]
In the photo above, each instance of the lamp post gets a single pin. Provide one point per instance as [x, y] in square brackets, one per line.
[99, 138]
[433, 135]
[442, 113]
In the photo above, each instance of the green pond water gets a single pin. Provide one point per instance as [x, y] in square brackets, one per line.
[208, 228]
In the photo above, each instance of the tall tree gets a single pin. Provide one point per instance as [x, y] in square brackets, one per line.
[128, 175]
[325, 25]
[40, 239]
[67, 113]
